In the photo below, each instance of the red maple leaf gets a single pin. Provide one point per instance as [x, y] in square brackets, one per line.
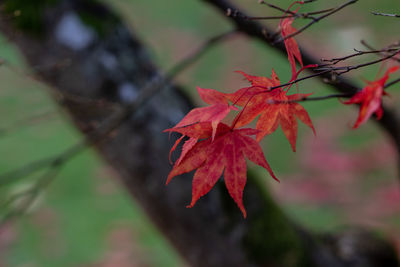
[259, 85]
[370, 98]
[215, 113]
[275, 108]
[223, 155]
[291, 45]
[252, 98]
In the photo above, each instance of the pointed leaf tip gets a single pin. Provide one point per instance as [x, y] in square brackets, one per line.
[174, 147]
[244, 213]
[370, 98]
[225, 154]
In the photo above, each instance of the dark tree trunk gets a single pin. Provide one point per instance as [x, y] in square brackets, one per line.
[95, 65]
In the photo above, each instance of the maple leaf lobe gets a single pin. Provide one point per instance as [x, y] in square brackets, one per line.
[370, 99]
[224, 155]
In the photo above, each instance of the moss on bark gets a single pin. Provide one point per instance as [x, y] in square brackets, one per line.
[98, 18]
[27, 15]
[270, 237]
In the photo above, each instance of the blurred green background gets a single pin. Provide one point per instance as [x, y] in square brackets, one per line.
[85, 218]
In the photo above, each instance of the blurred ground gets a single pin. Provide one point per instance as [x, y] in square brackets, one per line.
[85, 218]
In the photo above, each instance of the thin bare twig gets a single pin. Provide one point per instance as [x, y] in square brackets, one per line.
[28, 196]
[337, 71]
[277, 7]
[392, 83]
[317, 19]
[50, 162]
[345, 69]
[389, 121]
[334, 61]
[318, 98]
[116, 119]
[307, 15]
[238, 14]
[301, 79]
[385, 14]
[395, 44]
[383, 53]
[54, 164]
[179, 67]
[262, 2]
[315, 98]
[31, 120]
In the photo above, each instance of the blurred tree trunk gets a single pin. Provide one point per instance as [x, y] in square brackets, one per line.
[94, 65]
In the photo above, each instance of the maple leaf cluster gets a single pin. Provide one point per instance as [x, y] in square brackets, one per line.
[215, 148]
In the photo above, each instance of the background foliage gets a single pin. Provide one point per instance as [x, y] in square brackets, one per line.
[86, 218]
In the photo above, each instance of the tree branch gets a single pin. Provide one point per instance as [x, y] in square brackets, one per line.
[116, 119]
[212, 233]
[31, 120]
[139, 152]
[390, 121]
